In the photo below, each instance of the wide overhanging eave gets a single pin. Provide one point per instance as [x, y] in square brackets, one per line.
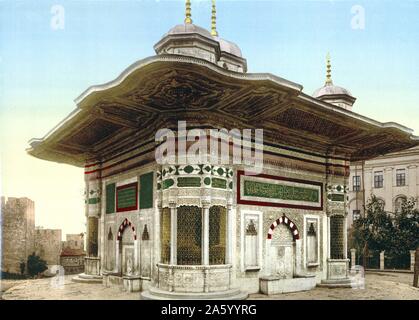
[103, 114]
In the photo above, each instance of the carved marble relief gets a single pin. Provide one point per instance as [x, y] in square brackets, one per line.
[281, 253]
[312, 235]
[251, 241]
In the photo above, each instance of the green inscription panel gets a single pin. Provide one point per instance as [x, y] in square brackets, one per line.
[336, 197]
[188, 182]
[280, 191]
[146, 191]
[219, 183]
[110, 198]
[127, 197]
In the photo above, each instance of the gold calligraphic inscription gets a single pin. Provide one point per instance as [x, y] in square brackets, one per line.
[280, 191]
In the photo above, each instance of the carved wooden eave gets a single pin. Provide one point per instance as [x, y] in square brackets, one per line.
[155, 92]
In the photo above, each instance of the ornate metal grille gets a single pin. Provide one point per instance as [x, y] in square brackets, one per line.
[217, 235]
[336, 237]
[165, 235]
[189, 229]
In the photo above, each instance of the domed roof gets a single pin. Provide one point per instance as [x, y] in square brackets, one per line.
[189, 28]
[229, 47]
[330, 89]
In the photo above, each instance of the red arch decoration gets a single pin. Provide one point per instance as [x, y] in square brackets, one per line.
[126, 223]
[284, 220]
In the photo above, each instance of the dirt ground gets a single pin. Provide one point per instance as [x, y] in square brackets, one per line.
[378, 286]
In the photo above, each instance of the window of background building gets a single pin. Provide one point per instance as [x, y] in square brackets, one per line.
[400, 177]
[356, 214]
[357, 183]
[378, 179]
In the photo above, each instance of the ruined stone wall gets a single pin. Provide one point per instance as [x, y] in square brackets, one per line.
[18, 228]
[48, 245]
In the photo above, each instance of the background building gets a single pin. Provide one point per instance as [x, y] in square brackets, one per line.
[18, 229]
[72, 254]
[74, 241]
[393, 178]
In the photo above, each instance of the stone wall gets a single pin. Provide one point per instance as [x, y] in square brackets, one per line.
[18, 228]
[48, 245]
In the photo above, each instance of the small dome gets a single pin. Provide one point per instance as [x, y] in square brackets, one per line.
[330, 89]
[188, 28]
[229, 47]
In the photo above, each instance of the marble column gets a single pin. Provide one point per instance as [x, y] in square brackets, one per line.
[117, 262]
[136, 258]
[93, 213]
[328, 238]
[229, 236]
[92, 236]
[173, 233]
[345, 237]
[205, 232]
[157, 235]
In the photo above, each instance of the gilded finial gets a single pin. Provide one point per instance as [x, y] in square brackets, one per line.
[188, 13]
[329, 70]
[214, 20]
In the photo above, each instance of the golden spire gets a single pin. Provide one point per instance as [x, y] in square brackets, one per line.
[214, 20]
[329, 70]
[188, 14]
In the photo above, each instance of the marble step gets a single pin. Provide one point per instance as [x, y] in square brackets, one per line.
[86, 278]
[338, 283]
[157, 294]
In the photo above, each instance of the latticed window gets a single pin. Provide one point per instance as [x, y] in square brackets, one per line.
[217, 235]
[165, 235]
[189, 239]
[336, 237]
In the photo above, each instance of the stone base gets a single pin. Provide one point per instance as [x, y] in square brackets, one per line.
[157, 294]
[341, 283]
[337, 274]
[131, 283]
[273, 285]
[87, 278]
[92, 266]
[337, 269]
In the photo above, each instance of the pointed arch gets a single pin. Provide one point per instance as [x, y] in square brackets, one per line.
[289, 223]
[126, 223]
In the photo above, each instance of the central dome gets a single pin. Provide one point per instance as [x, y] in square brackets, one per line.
[191, 40]
[189, 28]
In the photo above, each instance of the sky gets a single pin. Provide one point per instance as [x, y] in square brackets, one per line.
[51, 51]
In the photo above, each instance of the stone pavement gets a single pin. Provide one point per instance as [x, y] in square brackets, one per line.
[378, 285]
